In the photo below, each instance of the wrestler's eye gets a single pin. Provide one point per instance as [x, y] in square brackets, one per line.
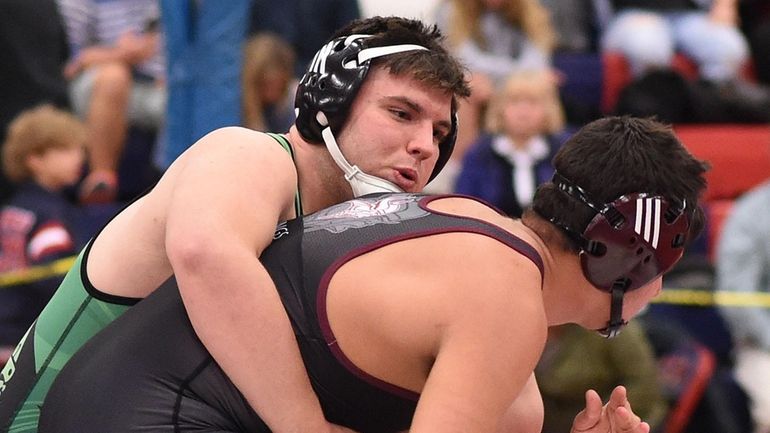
[440, 134]
[400, 114]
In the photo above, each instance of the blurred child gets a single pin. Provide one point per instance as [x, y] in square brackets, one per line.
[43, 155]
[505, 165]
[494, 38]
[268, 67]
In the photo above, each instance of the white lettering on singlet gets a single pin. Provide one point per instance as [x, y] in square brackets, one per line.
[10, 367]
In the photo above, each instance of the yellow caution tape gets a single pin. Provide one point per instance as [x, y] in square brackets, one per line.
[676, 296]
[708, 298]
[36, 273]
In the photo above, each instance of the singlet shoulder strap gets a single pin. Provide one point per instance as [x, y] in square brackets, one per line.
[494, 231]
[287, 146]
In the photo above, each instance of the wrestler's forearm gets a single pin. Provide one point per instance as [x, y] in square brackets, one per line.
[236, 312]
[232, 189]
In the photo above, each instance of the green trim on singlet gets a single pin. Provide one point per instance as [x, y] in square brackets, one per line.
[287, 146]
[75, 313]
[70, 319]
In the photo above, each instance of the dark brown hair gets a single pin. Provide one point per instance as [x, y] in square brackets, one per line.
[614, 156]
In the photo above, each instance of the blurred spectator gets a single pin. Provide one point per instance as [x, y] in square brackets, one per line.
[204, 50]
[117, 79]
[43, 154]
[684, 336]
[743, 265]
[581, 80]
[755, 22]
[648, 33]
[575, 359]
[662, 93]
[575, 23]
[34, 47]
[268, 72]
[760, 45]
[304, 24]
[497, 37]
[504, 167]
[702, 393]
[493, 38]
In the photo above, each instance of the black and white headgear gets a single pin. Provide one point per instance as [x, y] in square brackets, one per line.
[326, 92]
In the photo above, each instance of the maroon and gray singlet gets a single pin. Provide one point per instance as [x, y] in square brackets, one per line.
[147, 371]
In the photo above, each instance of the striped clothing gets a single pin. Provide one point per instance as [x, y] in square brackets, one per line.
[102, 22]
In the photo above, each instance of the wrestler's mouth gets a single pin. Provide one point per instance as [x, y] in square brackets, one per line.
[406, 178]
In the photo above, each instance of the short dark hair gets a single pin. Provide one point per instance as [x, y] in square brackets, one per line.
[615, 156]
[436, 67]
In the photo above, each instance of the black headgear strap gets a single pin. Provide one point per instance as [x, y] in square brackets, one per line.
[565, 185]
[616, 323]
[618, 291]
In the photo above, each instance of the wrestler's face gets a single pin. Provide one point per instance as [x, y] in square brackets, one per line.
[394, 128]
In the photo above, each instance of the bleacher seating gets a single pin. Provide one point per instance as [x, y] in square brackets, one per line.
[617, 74]
[739, 156]
[740, 159]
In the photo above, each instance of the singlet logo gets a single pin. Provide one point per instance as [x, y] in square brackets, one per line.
[358, 213]
[280, 231]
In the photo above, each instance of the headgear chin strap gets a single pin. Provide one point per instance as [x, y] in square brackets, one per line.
[361, 182]
[327, 90]
[629, 243]
[616, 323]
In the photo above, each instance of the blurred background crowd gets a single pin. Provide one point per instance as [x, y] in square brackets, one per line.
[100, 96]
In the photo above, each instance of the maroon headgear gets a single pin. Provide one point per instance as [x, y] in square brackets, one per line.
[629, 242]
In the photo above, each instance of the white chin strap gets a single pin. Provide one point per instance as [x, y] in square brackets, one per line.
[361, 182]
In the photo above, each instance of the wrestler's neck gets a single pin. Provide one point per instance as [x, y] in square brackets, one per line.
[321, 182]
[565, 288]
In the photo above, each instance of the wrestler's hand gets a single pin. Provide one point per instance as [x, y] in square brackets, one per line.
[614, 417]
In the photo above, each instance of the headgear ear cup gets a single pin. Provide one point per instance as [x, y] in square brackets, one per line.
[627, 244]
[332, 82]
[632, 240]
[329, 86]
